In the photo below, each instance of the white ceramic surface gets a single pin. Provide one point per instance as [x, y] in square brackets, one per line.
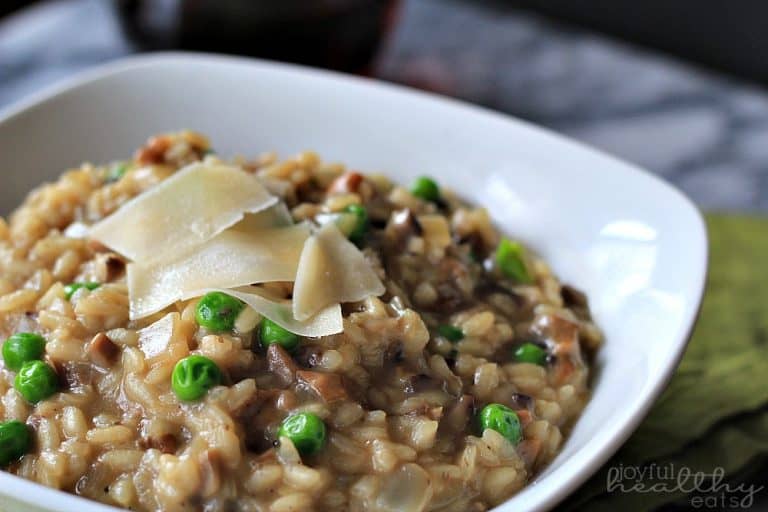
[636, 245]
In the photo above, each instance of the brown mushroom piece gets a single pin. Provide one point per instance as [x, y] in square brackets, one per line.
[562, 335]
[74, 374]
[401, 226]
[521, 401]
[166, 443]
[525, 417]
[280, 363]
[529, 450]
[308, 355]
[456, 418]
[153, 152]
[328, 386]
[421, 382]
[110, 267]
[102, 351]
[576, 300]
[346, 183]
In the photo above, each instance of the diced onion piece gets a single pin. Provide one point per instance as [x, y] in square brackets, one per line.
[184, 211]
[346, 222]
[331, 270]
[76, 230]
[326, 322]
[154, 338]
[437, 233]
[231, 259]
[406, 490]
[247, 320]
[287, 453]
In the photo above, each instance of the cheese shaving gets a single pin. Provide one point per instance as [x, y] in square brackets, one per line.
[184, 211]
[331, 270]
[231, 259]
[327, 321]
[273, 217]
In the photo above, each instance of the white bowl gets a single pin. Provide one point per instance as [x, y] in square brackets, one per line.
[632, 242]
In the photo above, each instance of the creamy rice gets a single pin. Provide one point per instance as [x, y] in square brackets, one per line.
[398, 398]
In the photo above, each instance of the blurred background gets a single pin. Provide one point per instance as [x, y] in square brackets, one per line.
[671, 85]
[676, 86]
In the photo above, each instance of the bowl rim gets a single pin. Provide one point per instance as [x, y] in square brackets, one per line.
[35, 494]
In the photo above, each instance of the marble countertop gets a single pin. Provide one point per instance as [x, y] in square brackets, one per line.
[704, 132]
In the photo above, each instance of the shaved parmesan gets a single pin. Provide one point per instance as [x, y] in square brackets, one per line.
[331, 270]
[231, 259]
[186, 210]
[327, 321]
[273, 217]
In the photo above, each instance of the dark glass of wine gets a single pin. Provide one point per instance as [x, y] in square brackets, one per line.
[337, 34]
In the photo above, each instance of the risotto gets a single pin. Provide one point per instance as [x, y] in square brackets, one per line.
[189, 333]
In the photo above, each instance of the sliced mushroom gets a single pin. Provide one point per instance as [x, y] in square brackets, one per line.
[563, 337]
[328, 386]
[74, 374]
[110, 267]
[280, 363]
[309, 355]
[456, 418]
[346, 183]
[529, 450]
[525, 417]
[573, 297]
[521, 401]
[577, 301]
[421, 382]
[166, 443]
[153, 152]
[401, 226]
[102, 351]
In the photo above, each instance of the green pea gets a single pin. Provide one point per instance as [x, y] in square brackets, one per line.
[217, 311]
[15, 441]
[503, 420]
[352, 221]
[71, 288]
[193, 376]
[530, 353]
[21, 348]
[270, 332]
[510, 258]
[426, 189]
[36, 381]
[116, 172]
[305, 430]
[360, 225]
[450, 332]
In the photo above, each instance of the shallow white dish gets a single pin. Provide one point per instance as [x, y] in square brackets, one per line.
[632, 242]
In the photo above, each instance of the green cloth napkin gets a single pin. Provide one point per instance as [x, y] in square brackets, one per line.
[713, 417]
